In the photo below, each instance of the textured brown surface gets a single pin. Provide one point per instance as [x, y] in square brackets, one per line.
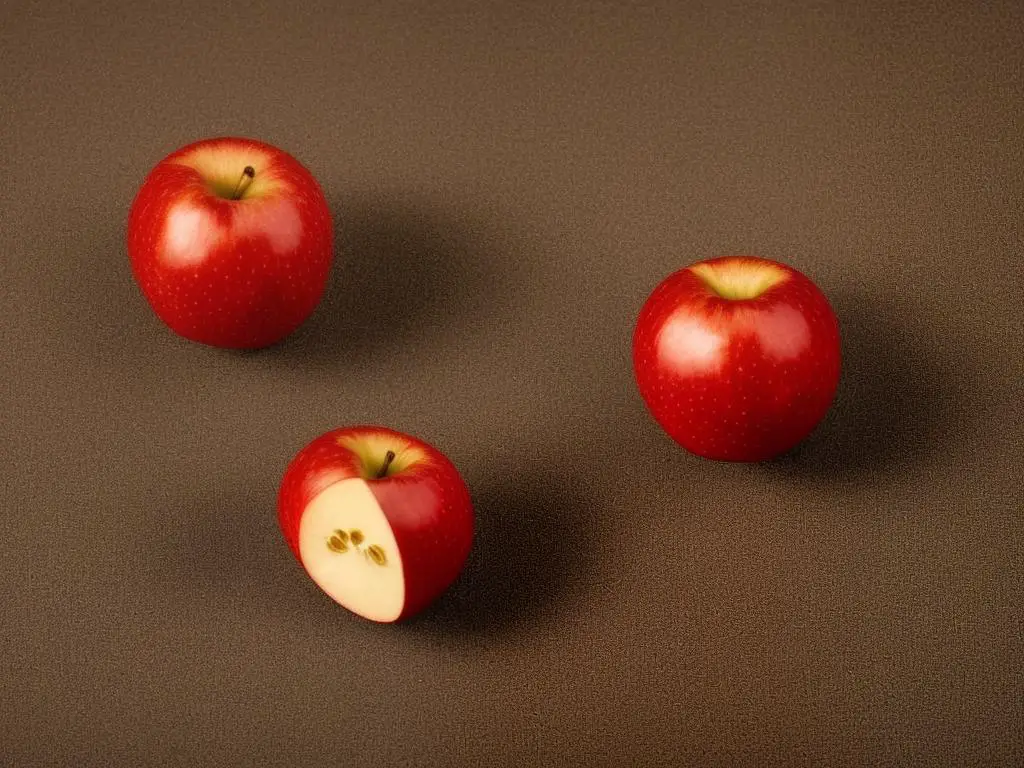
[509, 182]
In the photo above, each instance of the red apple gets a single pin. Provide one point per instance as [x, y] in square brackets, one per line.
[380, 520]
[737, 358]
[231, 242]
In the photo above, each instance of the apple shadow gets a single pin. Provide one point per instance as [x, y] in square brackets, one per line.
[403, 270]
[531, 553]
[219, 540]
[893, 404]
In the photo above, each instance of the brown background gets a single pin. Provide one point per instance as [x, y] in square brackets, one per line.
[509, 181]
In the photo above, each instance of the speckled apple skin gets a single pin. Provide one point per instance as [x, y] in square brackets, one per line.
[753, 380]
[238, 274]
[428, 507]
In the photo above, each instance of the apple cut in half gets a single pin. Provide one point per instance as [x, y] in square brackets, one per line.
[381, 521]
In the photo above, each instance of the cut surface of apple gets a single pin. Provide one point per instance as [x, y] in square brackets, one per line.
[349, 550]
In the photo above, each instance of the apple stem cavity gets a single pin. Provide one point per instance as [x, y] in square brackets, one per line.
[383, 471]
[248, 174]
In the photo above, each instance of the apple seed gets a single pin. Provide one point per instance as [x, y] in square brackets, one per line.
[376, 553]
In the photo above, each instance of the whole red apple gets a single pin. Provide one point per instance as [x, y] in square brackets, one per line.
[231, 241]
[737, 357]
[380, 520]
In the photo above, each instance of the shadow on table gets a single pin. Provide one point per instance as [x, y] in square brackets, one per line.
[403, 271]
[218, 540]
[532, 550]
[406, 271]
[893, 405]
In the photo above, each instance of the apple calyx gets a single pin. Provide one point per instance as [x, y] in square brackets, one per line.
[383, 471]
[248, 174]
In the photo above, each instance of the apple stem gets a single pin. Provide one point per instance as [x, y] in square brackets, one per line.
[243, 183]
[383, 471]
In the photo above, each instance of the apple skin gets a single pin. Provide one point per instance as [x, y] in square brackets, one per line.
[234, 274]
[737, 379]
[428, 506]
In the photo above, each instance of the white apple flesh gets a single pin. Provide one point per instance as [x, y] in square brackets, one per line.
[348, 549]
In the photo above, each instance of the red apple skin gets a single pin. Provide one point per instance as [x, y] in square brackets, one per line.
[428, 507]
[237, 274]
[755, 377]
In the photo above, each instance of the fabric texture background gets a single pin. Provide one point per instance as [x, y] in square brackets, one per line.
[509, 180]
